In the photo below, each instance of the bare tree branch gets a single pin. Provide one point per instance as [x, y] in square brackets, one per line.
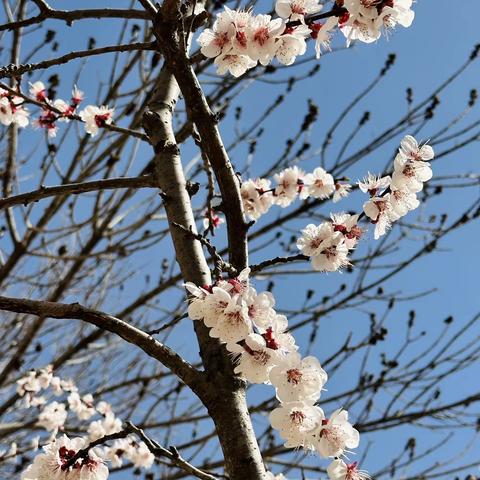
[69, 16]
[102, 320]
[75, 188]
[14, 70]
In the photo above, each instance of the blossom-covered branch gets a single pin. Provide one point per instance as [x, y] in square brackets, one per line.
[329, 243]
[84, 459]
[239, 40]
[249, 326]
[12, 111]
[246, 322]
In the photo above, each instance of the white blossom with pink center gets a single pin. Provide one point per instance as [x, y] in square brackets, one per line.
[196, 306]
[410, 148]
[255, 359]
[53, 463]
[373, 184]
[291, 44]
[77, 96]
[38, 91]
[326, 247]
[342, 190]
[367, 18]
[96, 117]
[238, 285]
[347, 225]
[262, 38]
[339, 470]
[233, 63]
[318, 184]
[218, 40]
[298, 379]
[361, 29]
[260, 308]
[215, 305]
[233, 325]
[276, 335]
[381, 214]
[296, 9]
[12, 110]
[256, 197]
[403, 201]
[410, 174]
[296, 423]
[241, 21]
[290, 183]
[336, 435]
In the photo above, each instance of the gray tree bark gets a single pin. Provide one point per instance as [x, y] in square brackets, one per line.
[222, 392]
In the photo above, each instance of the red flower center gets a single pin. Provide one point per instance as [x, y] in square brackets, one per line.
[101, 119]
[241, 38]
[269, 340]
[294, 375]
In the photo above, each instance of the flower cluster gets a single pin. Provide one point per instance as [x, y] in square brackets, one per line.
[54, 110]
[366, 18]
[56, 459]
[247, 323]
[53, 416]
[239, 40]
[12, 110]
[339, 470]
[329, 243]
[393, 197]
[59, 110]
[259, 195]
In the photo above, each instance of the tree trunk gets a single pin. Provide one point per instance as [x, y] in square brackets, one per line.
[221, 391]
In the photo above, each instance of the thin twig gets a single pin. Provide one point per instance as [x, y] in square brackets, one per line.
[278, 261]
[219, 264]
[155, 448]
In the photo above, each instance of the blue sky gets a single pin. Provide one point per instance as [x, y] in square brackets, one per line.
[441, 37]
